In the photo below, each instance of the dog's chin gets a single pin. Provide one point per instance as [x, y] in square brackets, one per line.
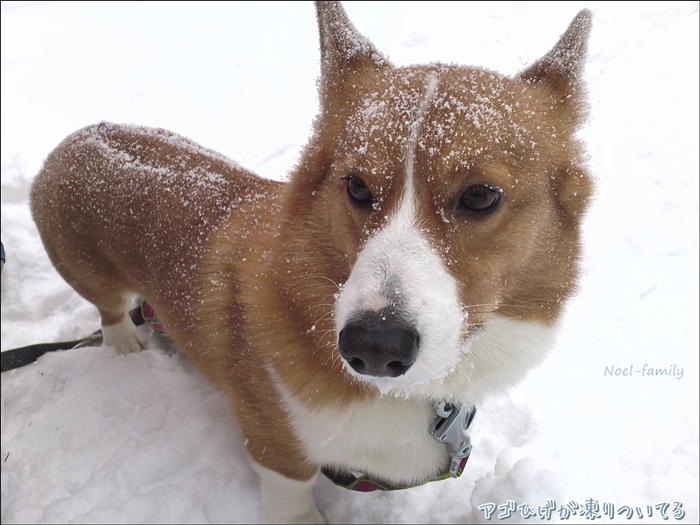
[427, 380]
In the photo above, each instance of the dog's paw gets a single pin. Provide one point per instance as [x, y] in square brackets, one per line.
[124, 337]
[286, 500]
[312, 516]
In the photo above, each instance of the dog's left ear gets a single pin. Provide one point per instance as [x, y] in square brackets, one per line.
[562, 67]
[561, 70]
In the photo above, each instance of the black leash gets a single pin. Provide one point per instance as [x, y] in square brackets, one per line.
[26, 355]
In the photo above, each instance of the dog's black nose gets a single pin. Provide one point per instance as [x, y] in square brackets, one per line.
[379, 344]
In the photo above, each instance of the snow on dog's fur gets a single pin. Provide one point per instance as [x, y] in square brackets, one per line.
[422, 250]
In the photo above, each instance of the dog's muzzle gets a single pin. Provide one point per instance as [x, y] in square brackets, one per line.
[380, 344]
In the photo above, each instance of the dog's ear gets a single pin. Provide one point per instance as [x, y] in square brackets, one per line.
[560, 71]
[562, 68]
[344, 51]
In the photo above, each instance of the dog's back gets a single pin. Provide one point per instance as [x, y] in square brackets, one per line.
[128, 210]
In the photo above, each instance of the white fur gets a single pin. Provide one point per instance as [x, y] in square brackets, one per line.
[398, 266]
[495, 359]
[285, 500]
[123, 336]
[424, 291]
[388, 436]
[416, 128]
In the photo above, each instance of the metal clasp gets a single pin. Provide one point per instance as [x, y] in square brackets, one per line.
[450, 428]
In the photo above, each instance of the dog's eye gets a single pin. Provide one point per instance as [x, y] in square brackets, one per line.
[358, 190]
[481, 198]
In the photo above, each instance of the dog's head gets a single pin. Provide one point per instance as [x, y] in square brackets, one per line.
[445, 202]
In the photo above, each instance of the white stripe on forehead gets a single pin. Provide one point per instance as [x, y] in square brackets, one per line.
[412, 144]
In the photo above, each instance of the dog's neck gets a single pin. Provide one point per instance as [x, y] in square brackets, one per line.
[449, 428]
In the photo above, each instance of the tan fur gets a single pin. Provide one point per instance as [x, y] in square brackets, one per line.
[244, 270]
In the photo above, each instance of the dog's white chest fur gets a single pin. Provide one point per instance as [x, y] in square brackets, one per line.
[389, 436]
[375, 436]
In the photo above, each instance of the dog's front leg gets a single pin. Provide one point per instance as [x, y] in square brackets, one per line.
[287, 500]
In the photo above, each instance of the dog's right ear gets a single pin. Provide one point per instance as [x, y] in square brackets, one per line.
[344, 51]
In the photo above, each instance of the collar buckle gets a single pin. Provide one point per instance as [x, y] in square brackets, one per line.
[450, 428]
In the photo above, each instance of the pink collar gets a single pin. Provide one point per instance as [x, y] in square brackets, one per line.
[449, 428]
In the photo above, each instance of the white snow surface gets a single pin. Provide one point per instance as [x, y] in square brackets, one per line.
[89, 436]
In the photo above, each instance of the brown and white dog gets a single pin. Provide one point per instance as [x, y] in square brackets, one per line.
[422, 251]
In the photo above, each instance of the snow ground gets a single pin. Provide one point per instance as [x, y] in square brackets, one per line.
[91, 437]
